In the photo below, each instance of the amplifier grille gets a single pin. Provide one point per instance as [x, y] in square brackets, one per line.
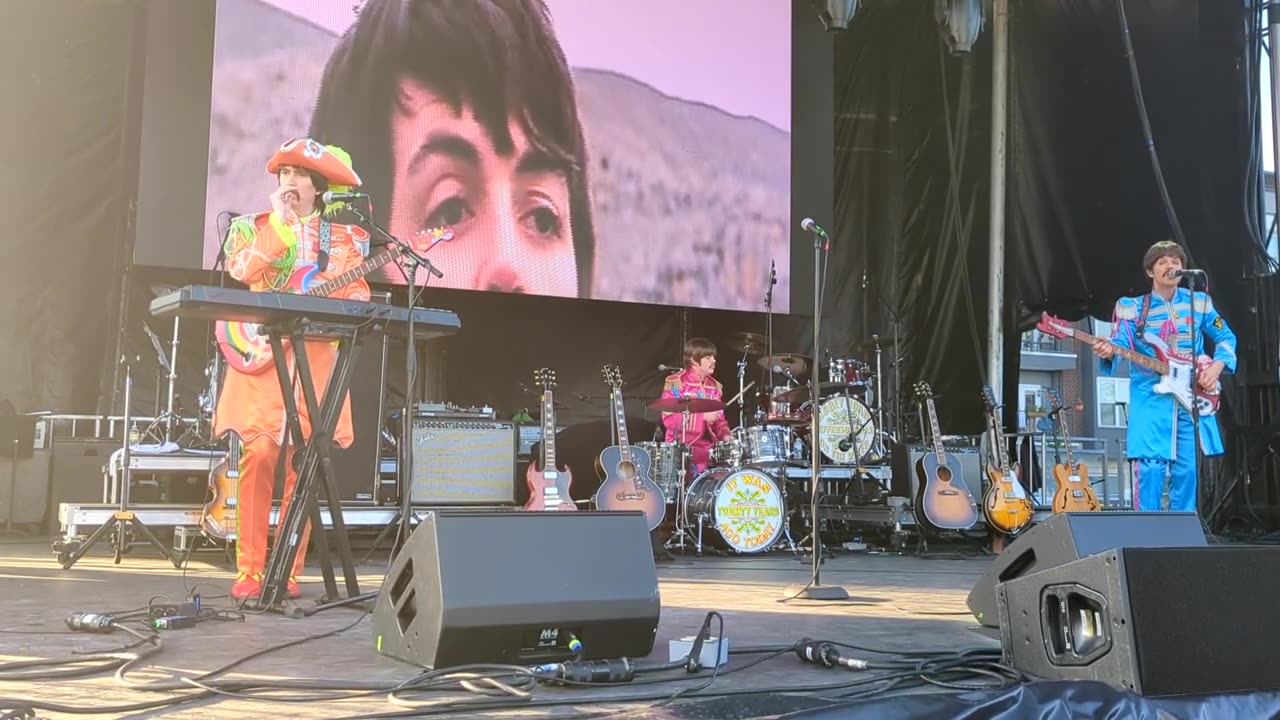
[463, 462]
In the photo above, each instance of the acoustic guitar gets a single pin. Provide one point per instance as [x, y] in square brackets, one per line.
[942, 497]
[1073, 493]
[1006, 504]
[548, 486]
[218, 516]
[626, 469]
[248, 350]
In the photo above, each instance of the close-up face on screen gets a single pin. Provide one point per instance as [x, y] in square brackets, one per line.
[575, 148]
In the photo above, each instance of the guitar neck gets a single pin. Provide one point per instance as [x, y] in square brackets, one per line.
[1134, 357]
[1066, 437]
[997, 442]
[548, 432]
[335, 284]
[620, 422]
[937, 432]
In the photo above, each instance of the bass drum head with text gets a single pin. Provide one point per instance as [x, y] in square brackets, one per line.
[838, 416]
[743, 508]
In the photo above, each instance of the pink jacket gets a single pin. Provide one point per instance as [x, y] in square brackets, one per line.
[704, 428]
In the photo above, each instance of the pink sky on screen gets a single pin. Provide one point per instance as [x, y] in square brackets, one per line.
[733, 54]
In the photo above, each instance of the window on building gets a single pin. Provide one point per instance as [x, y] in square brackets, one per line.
[1113, 402]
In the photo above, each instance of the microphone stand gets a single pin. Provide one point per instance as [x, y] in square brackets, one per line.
[408, 262]
[767, 385]
[815, 590]
[1195, 402]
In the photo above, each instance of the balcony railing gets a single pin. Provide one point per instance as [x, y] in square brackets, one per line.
[1047, 344]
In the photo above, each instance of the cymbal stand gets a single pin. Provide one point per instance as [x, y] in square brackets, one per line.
[743, 420]
[168, 365]
[682, 523]
[767, 386]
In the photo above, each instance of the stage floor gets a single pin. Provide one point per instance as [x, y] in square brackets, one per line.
[898, 603]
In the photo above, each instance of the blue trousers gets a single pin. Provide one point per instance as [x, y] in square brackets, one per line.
[1168, 485]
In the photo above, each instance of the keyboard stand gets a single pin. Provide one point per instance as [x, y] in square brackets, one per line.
[315, 468]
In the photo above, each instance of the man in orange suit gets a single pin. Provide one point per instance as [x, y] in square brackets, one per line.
[263, 251]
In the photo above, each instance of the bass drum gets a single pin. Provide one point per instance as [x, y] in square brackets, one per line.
[846, 429]
[742, 510]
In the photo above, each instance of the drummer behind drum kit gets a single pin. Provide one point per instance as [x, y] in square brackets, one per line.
[739, 503]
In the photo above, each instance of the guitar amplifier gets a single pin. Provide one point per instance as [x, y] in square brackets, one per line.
[463, 462]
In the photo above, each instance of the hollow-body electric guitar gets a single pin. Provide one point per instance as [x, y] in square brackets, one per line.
[1073, 493]
[1006, 505]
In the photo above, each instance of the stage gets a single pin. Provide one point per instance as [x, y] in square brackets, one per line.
[898, 603]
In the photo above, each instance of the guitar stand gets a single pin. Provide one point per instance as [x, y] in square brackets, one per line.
[123, 519]
[315, 469]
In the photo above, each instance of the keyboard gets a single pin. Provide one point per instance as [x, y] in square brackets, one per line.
[203, 302]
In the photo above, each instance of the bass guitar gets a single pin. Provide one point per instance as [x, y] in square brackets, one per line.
[548, 487]
[248, 350]
[942, 496]
[1005, 505]
[626, 469]
[218, 516]
[1174, 369]
[1073, 493]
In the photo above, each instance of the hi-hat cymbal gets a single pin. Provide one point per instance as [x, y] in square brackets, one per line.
[693, 404]
[798, 364]
[747, 342]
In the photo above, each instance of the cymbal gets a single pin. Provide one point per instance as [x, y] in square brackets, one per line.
[693, 404]
[748, 342]
[798, 364]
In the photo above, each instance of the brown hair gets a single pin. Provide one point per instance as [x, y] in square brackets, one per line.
[697, 348]
[1162, 249]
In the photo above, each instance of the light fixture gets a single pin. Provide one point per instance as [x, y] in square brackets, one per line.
[959, 21]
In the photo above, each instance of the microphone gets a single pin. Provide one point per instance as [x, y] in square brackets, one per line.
[817, 652]
[330, 196]
[1185, 272]
[668, 368]
[785, 371]
[813, 227]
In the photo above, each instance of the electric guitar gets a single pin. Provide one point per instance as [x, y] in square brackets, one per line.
[626, 469]
[548, 487]
[1006, 505]
[941, 494]
[248, 350]
[1073, 494]
[218, 516]
[1174, 369]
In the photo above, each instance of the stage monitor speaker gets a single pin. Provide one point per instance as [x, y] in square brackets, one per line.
[519, 588]
[463, 462]
[1154, 621]
[1070, 536]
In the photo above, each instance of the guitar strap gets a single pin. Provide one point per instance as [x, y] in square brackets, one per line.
[1142, 317]
[326, 237]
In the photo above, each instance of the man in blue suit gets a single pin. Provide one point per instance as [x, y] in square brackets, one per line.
[1161, 439]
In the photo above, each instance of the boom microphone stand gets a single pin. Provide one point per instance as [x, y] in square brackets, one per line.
[408, 263]
[815, 590]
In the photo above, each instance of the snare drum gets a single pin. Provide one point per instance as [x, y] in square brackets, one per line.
[668, 458]
[765, 443]
[742, 510]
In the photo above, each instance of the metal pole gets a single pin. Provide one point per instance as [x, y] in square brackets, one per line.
[999, 138]
[1273, 20]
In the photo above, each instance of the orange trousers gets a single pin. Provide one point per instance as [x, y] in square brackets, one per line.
[253, 514]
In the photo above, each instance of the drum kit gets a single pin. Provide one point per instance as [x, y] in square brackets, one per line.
[739, 504]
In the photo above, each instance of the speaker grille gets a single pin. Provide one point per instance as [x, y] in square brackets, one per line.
[1204, 619]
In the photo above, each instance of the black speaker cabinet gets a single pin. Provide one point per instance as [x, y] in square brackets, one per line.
[1154, 621]
[519, 588]
[1070, 536]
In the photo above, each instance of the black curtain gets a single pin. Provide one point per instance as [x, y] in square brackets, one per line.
[70, 137]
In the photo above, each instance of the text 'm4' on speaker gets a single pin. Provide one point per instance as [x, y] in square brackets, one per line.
[1155, 621]
[519, 588]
